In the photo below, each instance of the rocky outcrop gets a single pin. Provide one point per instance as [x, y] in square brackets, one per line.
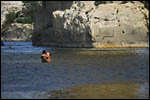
[85, 25]
[18, 32]
[14, 31]
[9, 6]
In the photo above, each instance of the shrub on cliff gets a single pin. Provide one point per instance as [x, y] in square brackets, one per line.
[25, 16]
[30, 7]
[9, 19]
[24, 20]
[102, 2]
[146, 4]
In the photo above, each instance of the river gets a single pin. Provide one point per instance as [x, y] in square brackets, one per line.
[73, 72]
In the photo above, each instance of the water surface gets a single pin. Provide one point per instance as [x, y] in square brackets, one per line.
[81, 70]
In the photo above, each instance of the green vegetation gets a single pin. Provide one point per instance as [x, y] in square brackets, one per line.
[106, 19]
[102, 2]
[9, 19]
[24, 20]
[146, 4]
[123, 2]
[26, 16]
[29, 11]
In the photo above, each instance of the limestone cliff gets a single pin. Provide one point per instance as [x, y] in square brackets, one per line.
[14, 31]
[82, 24]
[18, 32]
[9, 6]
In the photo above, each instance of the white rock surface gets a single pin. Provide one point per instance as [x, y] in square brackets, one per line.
[85, 25]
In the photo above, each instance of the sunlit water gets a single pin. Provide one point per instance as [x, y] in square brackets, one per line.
[74, 72]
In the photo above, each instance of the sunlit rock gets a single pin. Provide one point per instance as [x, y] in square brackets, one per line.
[85, 25]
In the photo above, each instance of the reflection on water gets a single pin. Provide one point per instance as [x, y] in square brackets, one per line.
[74, 72]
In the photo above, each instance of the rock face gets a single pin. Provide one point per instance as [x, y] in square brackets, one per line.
[18, 32]
[14, 31]
[82, 24]
[9, 6]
